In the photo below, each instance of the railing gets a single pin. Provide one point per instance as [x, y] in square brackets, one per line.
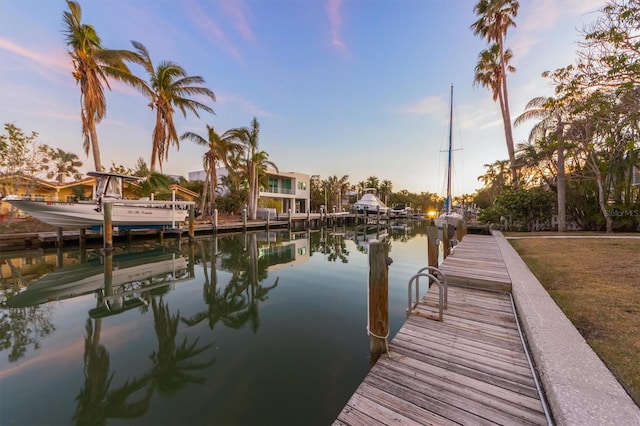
[287, 191]
[442, 292]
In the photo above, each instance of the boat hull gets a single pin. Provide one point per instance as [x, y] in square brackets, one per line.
[453, 219]
[88, 214]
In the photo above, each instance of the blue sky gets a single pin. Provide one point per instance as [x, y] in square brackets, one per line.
[340, 87]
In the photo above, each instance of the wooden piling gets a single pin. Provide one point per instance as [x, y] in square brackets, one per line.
[378, 299]
[83, 239]
[244, 220]
[107, 227]
[432, 246]
[215, 220]
[59, 237]
[192, 223]
[445, 240]
[289, 218]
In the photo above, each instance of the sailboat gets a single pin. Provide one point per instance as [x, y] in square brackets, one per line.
[448, 216]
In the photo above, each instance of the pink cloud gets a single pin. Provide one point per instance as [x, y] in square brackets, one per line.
[335, 23]
[53, 60]
[238, 11]
[210, 28]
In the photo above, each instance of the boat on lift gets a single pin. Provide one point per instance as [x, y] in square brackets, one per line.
[369, 203]
[141, 213]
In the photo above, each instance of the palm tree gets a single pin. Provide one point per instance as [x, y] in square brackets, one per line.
[551, 117]
[65, 166]
[373, 182]
[386, 188]
[255, 163]
[496, 178]
[495, 18]
[93, 64]
[169, 87]
[219, 149]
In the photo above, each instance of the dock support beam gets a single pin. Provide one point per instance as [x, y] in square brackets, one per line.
[432, 246]
[445, 241]
[192, 223]
[215, 220]
[244, 220]
[107, 227]
[378, 326]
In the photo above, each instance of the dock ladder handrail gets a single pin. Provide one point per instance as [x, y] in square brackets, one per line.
[442, 292]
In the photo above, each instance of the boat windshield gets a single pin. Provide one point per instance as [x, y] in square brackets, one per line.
[110, 187]
[114, 187]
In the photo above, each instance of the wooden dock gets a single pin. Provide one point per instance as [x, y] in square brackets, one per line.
[469, 369]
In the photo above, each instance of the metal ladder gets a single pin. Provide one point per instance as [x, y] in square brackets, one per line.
[436, 276]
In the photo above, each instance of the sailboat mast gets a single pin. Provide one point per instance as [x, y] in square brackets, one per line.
[449, 158]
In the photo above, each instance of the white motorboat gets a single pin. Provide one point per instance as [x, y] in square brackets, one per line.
[369, 203]
[141, 213]
[448, 216]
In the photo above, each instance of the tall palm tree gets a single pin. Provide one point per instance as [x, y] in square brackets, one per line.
[93, 65]
[65, 165]
[386, 188]
[495, 17]
[552, 120]
[169, 87]
[219, 150]
[255, 163]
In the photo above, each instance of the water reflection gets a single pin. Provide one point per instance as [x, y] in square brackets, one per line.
[68, 296]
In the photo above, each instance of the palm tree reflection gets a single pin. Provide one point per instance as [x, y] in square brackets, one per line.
[96, 403]
[237, 303]
[171, 365]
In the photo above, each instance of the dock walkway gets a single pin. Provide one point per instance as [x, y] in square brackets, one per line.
[471, 368]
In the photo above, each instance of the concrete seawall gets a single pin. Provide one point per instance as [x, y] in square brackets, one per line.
[579, 387]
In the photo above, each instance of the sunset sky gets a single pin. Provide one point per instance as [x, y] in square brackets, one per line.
[340, 87]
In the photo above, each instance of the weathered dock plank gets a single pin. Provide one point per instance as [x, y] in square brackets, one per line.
[470, 368]
[477, 262]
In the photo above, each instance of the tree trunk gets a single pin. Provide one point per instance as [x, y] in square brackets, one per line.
[95, 148]
[508, 131]
[562, 186]
[213, 183]
[203, 200]
[506, 119]
[253, 193]
[602, 202]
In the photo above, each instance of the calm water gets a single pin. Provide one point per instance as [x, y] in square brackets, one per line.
[260, 328]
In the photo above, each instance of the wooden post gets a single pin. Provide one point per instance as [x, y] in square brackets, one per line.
[83, 238]
[378, 299]
[445, 240]
[192, 222]
[215, 220]
[308, 219]
[107, 227]
[244, 219]
[290, 220]
[432, 247]
[59, 237]
[268, 218]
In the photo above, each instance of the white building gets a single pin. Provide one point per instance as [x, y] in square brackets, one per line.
[286, 190]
